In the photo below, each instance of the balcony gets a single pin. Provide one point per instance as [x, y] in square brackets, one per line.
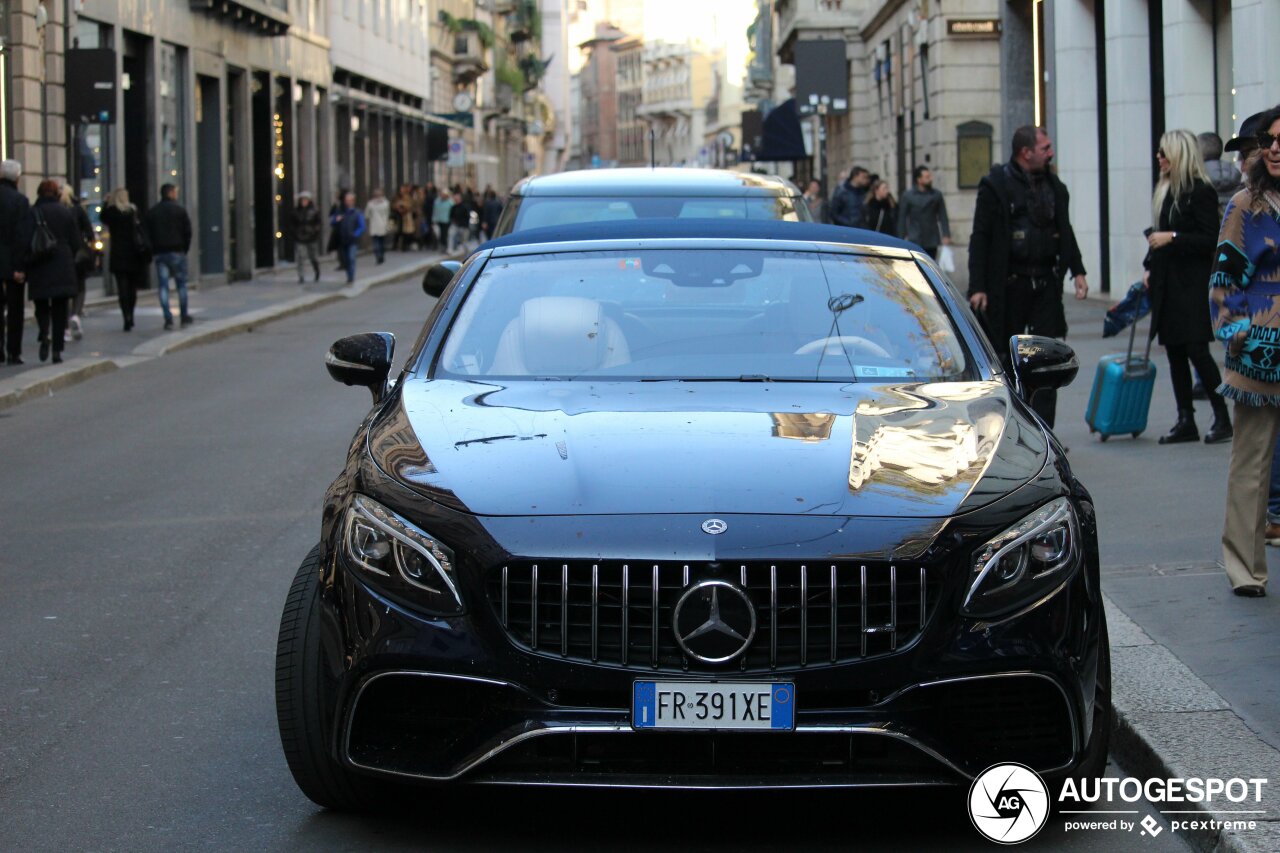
[261, 17]
[468, 58]
[799, 19]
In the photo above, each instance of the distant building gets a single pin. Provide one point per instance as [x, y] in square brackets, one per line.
[632, 129]
[677, 85]
[599, 97]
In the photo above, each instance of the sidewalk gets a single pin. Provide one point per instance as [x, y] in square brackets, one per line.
[1196, 670]
[219, 310]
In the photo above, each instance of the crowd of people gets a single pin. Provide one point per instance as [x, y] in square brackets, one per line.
[438, 219]
[864, 200]
[51, 247]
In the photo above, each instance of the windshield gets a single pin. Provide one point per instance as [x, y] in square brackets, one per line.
[540, 212]
[701, 314]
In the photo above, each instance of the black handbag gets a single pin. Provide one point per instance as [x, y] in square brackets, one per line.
[141, 243]
[43, 243]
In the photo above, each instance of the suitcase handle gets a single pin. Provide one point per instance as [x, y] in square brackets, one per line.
[1146, 356]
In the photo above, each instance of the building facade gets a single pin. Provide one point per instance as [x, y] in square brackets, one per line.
[629, 84]
[1122, 72]
[677, 84]
[599, 97]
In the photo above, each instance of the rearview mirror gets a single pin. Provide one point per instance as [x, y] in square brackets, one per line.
[362, 360]
[438, 277]
[1041, 364]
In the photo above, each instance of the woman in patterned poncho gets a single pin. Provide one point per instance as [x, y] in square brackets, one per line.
[1244, 302]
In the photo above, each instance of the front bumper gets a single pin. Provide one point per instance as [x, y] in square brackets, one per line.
[441, 699]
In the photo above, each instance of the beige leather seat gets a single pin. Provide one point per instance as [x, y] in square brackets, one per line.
[559, 336]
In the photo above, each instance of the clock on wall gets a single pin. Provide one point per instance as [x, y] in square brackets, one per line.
[462, 103]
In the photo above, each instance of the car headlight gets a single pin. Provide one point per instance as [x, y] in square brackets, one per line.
[1026, 561]
[396, 552]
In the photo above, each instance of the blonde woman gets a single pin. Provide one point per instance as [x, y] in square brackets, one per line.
[1184, 209]
[129, 251]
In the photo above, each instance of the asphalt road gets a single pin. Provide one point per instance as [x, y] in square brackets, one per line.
[151, 521]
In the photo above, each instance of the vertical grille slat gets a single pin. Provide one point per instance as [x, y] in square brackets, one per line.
[588, 611]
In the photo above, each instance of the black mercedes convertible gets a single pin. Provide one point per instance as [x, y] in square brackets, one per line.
[696, 504]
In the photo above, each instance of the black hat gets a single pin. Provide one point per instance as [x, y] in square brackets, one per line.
[1248, 130]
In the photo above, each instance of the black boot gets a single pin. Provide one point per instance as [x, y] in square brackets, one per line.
[1221, 429]
[315, 265]
[1183, 430]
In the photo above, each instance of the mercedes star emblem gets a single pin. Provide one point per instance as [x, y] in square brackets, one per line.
[714, 621]
[714, 526]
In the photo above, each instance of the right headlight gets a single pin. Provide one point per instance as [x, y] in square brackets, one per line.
[1024, 562]
[394, 552]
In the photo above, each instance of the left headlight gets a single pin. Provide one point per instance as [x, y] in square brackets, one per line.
[1026, 561]
[391, 549]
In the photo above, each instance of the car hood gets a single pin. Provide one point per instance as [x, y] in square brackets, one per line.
[818, 449]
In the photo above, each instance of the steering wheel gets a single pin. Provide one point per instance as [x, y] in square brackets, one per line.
[838, 345]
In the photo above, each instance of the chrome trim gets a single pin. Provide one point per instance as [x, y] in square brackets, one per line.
[773, 617]
[533, 609]
[804, 614]
[835, 617]
[893, 608]
[595, 612]
[332, 361]
[654, 619]
[626, 610]
[864, 612]
[564, 609]
[504, 597]
[874, 729]
[923, 602]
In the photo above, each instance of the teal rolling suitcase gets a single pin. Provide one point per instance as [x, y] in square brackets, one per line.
[1121, 395]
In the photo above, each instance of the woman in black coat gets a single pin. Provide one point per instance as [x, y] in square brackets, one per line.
[51, 279]
[880, 211]
[1178, 265]
[128, 258]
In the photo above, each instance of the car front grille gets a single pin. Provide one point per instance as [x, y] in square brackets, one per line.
[616, 613]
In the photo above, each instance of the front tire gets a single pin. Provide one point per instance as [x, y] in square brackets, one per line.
[305, 707]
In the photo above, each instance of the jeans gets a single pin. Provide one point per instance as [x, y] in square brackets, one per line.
[347, 254]
[379, 247]
[172, 264]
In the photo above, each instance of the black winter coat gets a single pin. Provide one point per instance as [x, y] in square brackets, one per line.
[169, 227]
[846, 205]
[306, 223]
[1180, 271]
[55, 276]
[880, 216]
[992, 243]
[14, 208]
[123, 228]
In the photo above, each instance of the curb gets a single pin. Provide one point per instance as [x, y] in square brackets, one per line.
[45, 380]
[1170, 724]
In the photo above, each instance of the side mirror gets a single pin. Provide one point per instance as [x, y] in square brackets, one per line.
[1041, 364]
[362, 360]
[438, 277]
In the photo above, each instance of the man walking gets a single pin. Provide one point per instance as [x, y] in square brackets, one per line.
[349, 223]
[846, 205]
[1022, 247]
[169, 228]
[922, 214]
[14, 208]
[306, 235]
[377, 217]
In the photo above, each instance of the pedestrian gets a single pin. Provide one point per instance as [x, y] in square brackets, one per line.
[306, 235]
[490, 213]
[880, 210]
[84, 260]
[14, 210]
[349, 225]
[1021, 248]
[407, 219]
[459, 223]
[922, 215]
[377, 214]
[130, 252]
[51, 273]
[1178, 263]
[428, 206]
[440, 217]
[334, 244]
[1244, 300]
[815, 200]
[168, 230]
[846, 204]
[1223, 177]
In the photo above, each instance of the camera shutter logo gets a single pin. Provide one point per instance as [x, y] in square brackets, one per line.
[1008, 803]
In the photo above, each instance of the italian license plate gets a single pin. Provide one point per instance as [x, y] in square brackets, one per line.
[713, 705]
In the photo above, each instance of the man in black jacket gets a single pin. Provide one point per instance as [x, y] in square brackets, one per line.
[846, 204]
[13, 210]
[169, 229]
[1021, 249]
